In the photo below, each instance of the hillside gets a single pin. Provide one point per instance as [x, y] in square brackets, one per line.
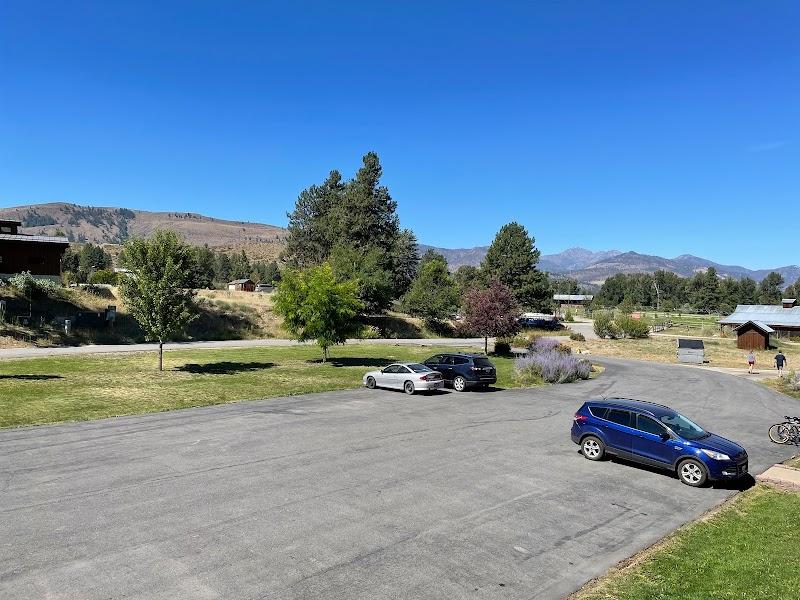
[107, 225]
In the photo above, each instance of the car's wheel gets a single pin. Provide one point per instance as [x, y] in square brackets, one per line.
[692, 472]
[459, 383]
[371, 383]
[408, 387]
[593, 448]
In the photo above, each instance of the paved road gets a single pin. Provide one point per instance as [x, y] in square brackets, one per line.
[359, 494]
[15, 353]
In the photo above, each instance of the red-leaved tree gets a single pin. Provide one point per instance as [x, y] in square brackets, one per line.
[491, 311]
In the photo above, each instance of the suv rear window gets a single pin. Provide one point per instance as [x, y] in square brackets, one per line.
[598, 411]
[482, 362]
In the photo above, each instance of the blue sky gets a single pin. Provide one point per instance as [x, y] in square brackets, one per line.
[656, 127]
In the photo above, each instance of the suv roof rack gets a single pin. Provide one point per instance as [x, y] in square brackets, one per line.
[611, 399]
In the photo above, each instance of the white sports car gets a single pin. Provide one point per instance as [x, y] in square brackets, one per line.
[409, 377]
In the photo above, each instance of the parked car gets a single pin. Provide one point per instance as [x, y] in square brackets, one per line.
[463, 371]
[658, 436]
[409, 377]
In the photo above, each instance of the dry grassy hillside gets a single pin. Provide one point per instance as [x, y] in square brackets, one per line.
[102, 225]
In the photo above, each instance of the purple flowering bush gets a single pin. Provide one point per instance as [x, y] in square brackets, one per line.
[549, 361]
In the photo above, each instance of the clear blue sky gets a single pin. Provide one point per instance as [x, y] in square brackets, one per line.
[656, 127]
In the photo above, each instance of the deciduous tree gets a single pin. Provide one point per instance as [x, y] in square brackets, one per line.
[315, 306]
[491, 311]
[157, 292]
[433, 295]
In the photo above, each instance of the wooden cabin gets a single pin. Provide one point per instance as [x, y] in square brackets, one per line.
[753, 335]
[242, 285]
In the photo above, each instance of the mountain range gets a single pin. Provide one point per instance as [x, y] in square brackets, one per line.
[594, 268]
[110, 225]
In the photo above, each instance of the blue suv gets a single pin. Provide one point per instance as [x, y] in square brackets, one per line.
[657, 436]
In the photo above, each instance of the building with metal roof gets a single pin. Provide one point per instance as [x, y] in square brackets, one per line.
[573, 297]
[784, 320]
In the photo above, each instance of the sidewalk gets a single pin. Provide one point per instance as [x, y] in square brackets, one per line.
[756, 375]
[782, 476]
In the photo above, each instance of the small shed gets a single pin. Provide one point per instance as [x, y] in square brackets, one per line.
[753, 335]
[691, 351]
[242, 285]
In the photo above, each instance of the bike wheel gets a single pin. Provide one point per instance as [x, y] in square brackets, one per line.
[780, 433]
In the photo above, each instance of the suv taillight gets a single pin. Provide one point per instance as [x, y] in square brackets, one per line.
[579, 418]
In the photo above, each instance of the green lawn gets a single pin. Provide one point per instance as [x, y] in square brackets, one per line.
[748, 550]
[78, 388]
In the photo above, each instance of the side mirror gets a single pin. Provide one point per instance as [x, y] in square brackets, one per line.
[665, 437]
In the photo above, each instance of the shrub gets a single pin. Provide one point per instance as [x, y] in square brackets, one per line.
[30, 287]
[577, 337]
[604, 325]
[551, 366]
[568, 316]
[632, 328]
[792, 381]
[369, 332]
[104, 276]
[543, 344]
[502, 347]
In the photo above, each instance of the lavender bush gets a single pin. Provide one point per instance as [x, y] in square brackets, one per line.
[542, 345]
[547, 362]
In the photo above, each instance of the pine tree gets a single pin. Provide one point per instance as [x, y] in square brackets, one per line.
[512, 260]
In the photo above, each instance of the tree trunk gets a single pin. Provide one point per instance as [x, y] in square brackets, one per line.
[324, 354]
[486, 344]
[160, 356]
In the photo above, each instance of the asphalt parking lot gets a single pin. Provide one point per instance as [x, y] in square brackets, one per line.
[357, 494]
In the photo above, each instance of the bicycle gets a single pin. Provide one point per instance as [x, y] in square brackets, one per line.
[786, 432]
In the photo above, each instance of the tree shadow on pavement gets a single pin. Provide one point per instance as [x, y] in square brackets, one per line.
[224, 368]
[31, 377]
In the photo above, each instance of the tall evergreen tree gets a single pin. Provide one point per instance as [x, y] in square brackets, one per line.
[706, 295]
[729, 295]
[312, 233]
[770, 290]
[240, 266]
[222, 268]
[405, 260]
[365, 217]
[512, 260]
[203, 262]
[793, 291]
[748, 291]
[354, 226]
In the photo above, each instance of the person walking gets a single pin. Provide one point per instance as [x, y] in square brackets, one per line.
[751, 361]
[780, 361]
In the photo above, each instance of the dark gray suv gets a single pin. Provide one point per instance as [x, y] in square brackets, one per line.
[463, 371]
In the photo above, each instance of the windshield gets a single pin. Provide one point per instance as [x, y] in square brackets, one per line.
[683, 426]
[418, 368]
